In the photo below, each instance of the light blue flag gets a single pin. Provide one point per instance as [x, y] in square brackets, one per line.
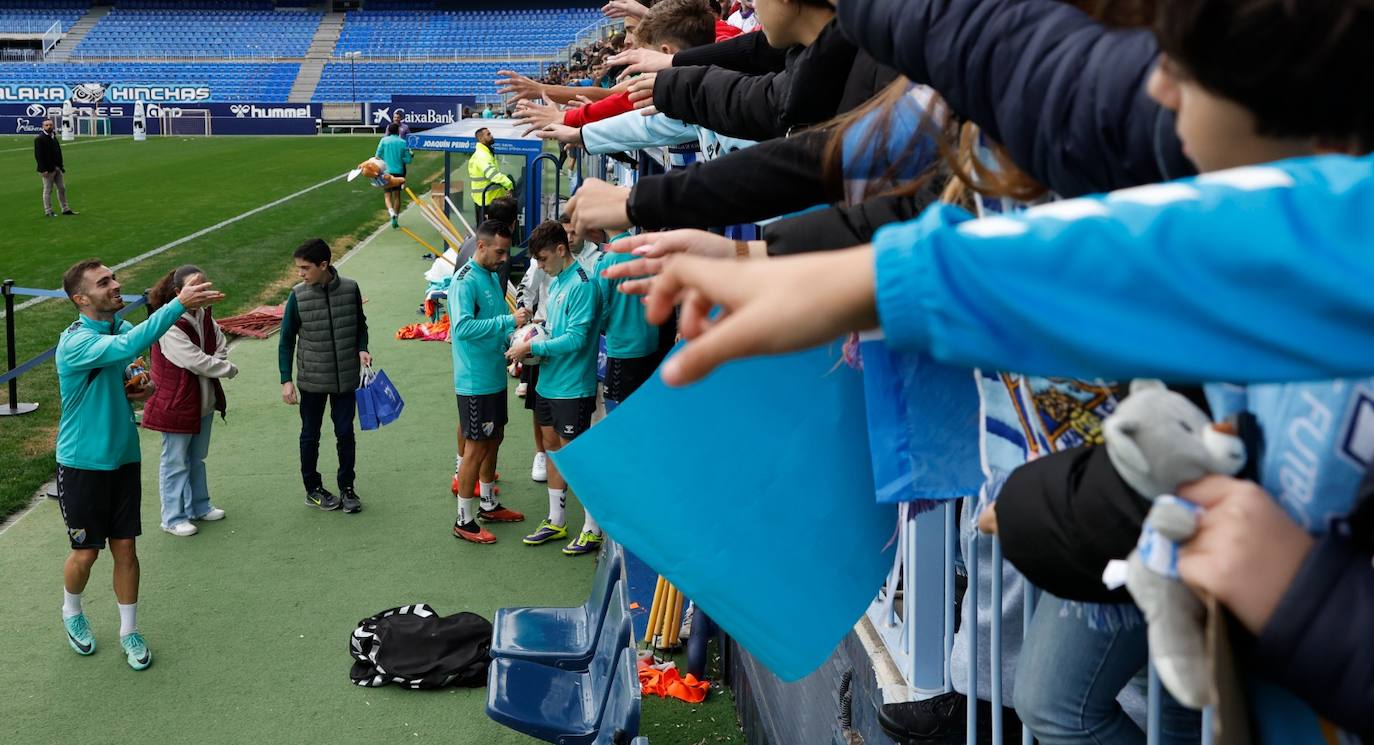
[751, 492]
[923, 421]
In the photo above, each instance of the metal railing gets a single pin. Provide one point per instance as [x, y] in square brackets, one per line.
[13, 369]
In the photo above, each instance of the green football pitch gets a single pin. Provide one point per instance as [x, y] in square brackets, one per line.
[249, 620]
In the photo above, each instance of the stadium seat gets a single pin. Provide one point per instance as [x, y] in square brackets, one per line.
[564, 638]
[561, 706]
[620, 720]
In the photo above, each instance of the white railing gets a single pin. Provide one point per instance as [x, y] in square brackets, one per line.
[51, 37]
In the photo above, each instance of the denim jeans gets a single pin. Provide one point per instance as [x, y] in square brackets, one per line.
[181, 474]
[1070, 674]
[342, 407]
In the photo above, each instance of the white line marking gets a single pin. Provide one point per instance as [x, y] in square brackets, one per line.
[169, 246]
[71, 144]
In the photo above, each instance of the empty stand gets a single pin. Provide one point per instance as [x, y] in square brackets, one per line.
[215, 29]
[35, 18]
[376, 81]
[229, 81]
[448, 33]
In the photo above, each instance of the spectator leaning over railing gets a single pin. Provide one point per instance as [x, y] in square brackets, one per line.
[97, 443]
[189, 361]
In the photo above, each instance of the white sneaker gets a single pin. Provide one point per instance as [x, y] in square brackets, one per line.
[521, 389]
[182, 529]
[540, 470]
[214, 514]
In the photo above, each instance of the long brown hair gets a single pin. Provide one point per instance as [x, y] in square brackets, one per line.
[170, 285]
[958, 142]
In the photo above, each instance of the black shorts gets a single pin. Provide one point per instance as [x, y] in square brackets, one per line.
[99, 505]
[482, 417]
[529, 375]
[625, 375]
[569, 417]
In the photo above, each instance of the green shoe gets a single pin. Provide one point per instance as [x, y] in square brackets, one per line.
[79, 634]
[546, 532]
[137, 651]
[587, 543]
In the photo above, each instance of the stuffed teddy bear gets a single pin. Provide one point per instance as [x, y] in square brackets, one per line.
[1158, 440]
[375, 169]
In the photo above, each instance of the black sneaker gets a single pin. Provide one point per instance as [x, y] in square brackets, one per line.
[351, 502]
[69, 212]
[322, 498]
[943, 720]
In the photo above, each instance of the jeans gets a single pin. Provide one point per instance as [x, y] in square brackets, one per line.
[342, 406]
[54, 180]
[1069, 677]
[181, 475]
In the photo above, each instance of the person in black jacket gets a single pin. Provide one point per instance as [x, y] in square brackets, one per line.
[48, 152]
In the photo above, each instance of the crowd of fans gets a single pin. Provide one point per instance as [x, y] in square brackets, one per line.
[972, 130]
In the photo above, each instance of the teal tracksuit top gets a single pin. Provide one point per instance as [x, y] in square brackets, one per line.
[569, 367]
[479, 329]
[97, 430]
[628, 334]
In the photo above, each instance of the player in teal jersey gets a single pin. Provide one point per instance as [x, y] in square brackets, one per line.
[567, 378]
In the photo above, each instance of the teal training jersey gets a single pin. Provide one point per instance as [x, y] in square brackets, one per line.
[97, 430]
[569, 367]
[395, 152]
[479, 327]
[628, 333]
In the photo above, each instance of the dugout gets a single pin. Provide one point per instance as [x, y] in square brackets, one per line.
[460, 137]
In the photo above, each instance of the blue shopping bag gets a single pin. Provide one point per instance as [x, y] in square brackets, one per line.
[379, 403]
[367, 410]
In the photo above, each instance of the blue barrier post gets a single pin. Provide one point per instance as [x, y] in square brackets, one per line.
[14, 408]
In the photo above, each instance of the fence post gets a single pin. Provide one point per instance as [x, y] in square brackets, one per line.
[14, 408]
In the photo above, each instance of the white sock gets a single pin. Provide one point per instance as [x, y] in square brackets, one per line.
[590, 526]
[488, 490]
[467, 510]
[392, 211]
[71, 603]
[128, 619]
[558, 500]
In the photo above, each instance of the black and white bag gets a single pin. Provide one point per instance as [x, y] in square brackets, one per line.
[415, 647]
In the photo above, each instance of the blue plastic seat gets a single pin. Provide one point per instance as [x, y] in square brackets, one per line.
[564, 638]
[561, 706]
[620, 720]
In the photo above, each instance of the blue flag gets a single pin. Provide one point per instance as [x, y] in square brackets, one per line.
[751, 492]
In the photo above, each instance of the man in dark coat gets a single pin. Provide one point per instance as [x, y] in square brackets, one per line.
[48, 152]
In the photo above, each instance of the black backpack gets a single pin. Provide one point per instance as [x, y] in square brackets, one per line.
[415, 647]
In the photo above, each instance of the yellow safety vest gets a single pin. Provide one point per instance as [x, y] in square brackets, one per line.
[482, 170]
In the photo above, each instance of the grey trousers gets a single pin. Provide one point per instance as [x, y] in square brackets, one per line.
[50, 179]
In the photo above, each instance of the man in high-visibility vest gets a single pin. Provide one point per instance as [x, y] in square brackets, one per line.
[483, 170]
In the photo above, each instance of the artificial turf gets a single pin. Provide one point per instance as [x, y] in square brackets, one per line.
[249, 620]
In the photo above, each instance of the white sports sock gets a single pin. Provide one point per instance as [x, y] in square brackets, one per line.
[128, 619]
[467, 510]
[590, 526]
[488, 490]
[71, 604]
[392, 211]
[558, 500]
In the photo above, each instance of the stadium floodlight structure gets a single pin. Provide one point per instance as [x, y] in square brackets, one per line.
[352, 58]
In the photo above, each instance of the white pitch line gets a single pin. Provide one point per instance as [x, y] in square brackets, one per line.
[205, 231]
[72, 144]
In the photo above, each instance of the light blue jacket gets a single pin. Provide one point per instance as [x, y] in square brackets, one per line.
[481, 325]
[634, 131]
[1255, 274]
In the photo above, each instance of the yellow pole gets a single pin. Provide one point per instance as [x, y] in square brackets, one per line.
[675, 630]
[422, 242]
[655, 610]
[434, 212]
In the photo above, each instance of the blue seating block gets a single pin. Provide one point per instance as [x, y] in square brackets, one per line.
[561, 706]
[564, 638]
